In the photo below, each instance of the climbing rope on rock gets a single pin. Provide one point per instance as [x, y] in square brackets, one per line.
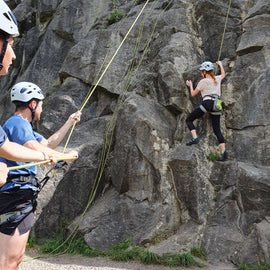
[223, 35]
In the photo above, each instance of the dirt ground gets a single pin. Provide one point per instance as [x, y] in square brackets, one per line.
[67, 262]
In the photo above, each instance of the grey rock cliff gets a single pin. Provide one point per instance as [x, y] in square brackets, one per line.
[152, 184]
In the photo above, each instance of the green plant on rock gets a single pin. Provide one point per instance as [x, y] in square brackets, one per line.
[147, 91]
[79, 247]
[124, 251]
[213, 157]
[175, 260]
[197, 252]
[115, 16]
[50, 245]
[76, 247]
[179, 139]
[32, 242]
[234, 196]
[157, 238]
[242, 266]
[259, 266]
[148, 257]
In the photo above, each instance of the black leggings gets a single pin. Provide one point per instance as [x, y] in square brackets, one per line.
[198, 112]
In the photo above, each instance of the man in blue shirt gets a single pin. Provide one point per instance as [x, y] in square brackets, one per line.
[10, 150]
[12, 246]
[22, 183]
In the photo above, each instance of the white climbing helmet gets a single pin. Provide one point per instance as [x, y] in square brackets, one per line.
[25, 91]
[207, 66]
[8, 21]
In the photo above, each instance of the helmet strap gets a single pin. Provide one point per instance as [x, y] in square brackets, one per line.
[3, 52]
[33, 111]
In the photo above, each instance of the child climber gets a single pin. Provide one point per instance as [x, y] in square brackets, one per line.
[209, 87]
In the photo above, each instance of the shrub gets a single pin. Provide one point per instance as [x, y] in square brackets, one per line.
[116, 16]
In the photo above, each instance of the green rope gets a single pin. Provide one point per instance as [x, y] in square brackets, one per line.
[106, 68]
[106, 56]
[223, 35]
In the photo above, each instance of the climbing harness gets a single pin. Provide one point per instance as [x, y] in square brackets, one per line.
[26, 182]
[205, 111]
[60, 164]
[21, 183]
[217, 105]
[14, 216]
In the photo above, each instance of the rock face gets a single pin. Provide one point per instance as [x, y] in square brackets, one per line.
[152, 184]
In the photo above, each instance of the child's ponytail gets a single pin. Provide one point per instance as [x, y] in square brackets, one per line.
[211, 73]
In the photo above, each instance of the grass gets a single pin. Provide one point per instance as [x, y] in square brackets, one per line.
[259, 266]
[199, 253]
[32, 242]
[51, 245]
[77, 247]
[148, 257]
[213, 157]
[175, 260]
[157, 238]
[179, 139]
[124, 251]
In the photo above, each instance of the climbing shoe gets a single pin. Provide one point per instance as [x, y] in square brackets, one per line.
[223, 156]
[193, 141]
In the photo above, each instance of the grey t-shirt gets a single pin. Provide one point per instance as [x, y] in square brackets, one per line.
[207, 86]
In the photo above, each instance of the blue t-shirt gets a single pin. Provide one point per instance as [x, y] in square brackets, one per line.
[3, 136]
[20, 131]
